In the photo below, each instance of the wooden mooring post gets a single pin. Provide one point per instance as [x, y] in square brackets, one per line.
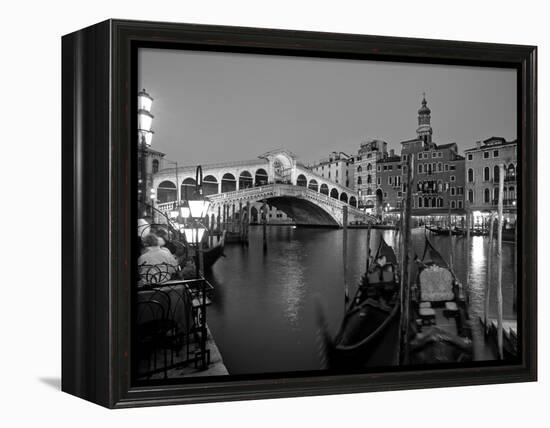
[264, 224]
[345, 253]
[499, 261]
[405, 286]
[489, 273]
[368, 248]
[218, 223]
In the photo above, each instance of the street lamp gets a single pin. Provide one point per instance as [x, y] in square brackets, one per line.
[145, 138]
[192, 213]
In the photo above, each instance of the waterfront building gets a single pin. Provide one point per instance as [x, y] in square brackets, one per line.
[438, 178]
[366, 175]
[389, 183]
[337, 167]
[482, 177]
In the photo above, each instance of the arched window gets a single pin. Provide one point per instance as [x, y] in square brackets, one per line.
[453, 204]
[440, 202]
[313, 185]
[486, 174]
[496, 173]
[188, 188]
[166, 192]
[353, 201]
[369, 192]
[426, 202]
[471, 196]
[155, 166]
[420, 202]
[344, 197]
[209, 185]
[369, 167]
[334, 193]
[324, 189]
[495, 194]
[511, 172]
[245, 180]
[486, 196]
[229, 183]
[359, 181]
[369, 179]
[512, 193]
[440, 167]
[359, 169]
[470, 175]
[301, 180]
[260, 178]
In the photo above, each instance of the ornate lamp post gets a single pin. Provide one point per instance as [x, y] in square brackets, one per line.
[145, 138]
[193, 214]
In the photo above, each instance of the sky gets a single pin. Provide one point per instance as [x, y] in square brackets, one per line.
[213, 107]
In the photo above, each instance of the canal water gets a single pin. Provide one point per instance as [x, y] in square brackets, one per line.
[264, 317]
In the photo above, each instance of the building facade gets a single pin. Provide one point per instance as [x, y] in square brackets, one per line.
[370, 152]
[337, 167]
[437, 180]
[483, 179]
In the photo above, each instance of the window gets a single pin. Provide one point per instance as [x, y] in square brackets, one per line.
[359, 169]
[399, 194]
[440, 155]
[446, 167]
[459, 204]
[385, 167]
[440, 167]
[470, 156]
[359, 181]
[385, 194]
[495, 153]
[369, 167]
[440, 202]
[486, 196]
[453, 204]
[426, 155]
[452, 168]
[453, 178]
[155, 166]
[389, 180]
[434, 154]
[485, 155]
[378, 168]
[378, 181]
[420, 168]
[495, 193]
[496, 173]
[419, 155]
[369, 179]
[471, 196]
[390, 167]
[470, 175]
[486, 173]
[453, 191]
[420, 202]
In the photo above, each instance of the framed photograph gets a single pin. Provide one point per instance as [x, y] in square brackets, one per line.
[253, 213]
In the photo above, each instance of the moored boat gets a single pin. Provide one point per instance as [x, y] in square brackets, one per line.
[439, 308]
[368, 335]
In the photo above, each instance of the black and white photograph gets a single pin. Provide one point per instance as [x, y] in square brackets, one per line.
[319, 215]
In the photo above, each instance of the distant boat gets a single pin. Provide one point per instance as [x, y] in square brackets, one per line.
[438, 230]
[441, 324]
[368, 335]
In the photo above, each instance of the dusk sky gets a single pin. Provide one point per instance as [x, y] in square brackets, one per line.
[212, 107]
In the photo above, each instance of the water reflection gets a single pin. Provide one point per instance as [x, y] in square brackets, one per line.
[263, 312]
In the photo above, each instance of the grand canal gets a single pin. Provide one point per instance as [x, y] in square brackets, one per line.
[263, 315]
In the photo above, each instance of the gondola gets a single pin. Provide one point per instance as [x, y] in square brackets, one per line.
[438, 230]
[211, 255]
[368, 335]
[443, 333]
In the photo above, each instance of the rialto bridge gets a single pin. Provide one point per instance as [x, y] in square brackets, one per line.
[275, 177]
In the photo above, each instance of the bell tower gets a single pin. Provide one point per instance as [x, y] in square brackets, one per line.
[424, 130]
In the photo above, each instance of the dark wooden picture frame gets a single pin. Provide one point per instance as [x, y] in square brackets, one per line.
[98, 160]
